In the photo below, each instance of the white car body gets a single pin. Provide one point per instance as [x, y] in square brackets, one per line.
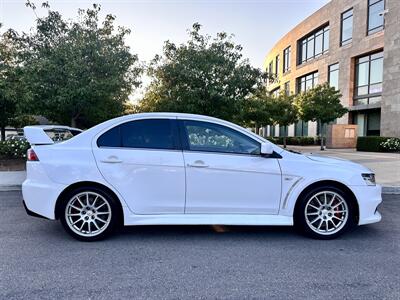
[188, 187]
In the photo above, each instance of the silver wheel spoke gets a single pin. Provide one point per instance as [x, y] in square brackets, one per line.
[95, 224]
[103, 213]
[315, 220]
[95, 200]
[73, 215]
[313, 214]
[101, 220]
[319, 202]
[80, 202]
[313, 206]
[333, 207]
[333, 198]
[73, 206]
[80, 228]
[76, 221]
[100, 206]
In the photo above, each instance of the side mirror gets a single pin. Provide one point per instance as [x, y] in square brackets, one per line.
[266, 148]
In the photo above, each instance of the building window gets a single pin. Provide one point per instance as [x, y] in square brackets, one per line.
[272, 130]
[287, 88]
[282, 130]
[314, 45]
[375, 16]
[369, 75]
[275, 92]
[277, 65]
[346, 33]
[301, 128]
[286, 59]
[307, 82]
[333, 75]
[270, 68]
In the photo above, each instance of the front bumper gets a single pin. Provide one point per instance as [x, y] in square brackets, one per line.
[369, 197]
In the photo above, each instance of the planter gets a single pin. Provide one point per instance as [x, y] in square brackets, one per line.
[16, 164]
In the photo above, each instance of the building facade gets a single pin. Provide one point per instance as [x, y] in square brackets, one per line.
[355, 46]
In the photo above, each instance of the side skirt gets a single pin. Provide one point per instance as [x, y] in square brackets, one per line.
[208, 219]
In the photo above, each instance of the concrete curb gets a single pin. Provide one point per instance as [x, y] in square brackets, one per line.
[391, 190]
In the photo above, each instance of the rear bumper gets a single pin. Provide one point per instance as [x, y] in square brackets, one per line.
[369, 198]
[40, 194]
[31, 213]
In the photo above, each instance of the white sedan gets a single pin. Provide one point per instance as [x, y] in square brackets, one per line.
[170, 168]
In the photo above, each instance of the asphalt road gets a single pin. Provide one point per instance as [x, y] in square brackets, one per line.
[38, 260]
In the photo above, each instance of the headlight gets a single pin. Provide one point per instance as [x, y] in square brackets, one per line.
[369, 178]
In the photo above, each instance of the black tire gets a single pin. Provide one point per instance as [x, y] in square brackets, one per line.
[303, 222]
[110, 223]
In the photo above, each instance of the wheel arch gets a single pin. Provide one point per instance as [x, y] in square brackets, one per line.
[333, 183]
[76, 185]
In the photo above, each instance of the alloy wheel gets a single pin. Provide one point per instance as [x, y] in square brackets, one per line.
[326, 212]
[88, 214]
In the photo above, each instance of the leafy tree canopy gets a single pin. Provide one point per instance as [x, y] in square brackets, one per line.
[256, 110]
[321, 103]
[79, 71]
[11, 85]
[204, 76]
[283, 109]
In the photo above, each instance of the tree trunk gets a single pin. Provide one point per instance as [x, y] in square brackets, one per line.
[3, 133]
[321, 136]
[284, 136]
[73, 122]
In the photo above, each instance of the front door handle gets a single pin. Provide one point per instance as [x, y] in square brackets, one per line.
[111, 160]
[198, 164]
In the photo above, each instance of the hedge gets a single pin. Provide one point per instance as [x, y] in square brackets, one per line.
[294, 140]
[13, 149]
[378, 144]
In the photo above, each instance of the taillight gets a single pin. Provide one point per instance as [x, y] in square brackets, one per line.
[31, 155]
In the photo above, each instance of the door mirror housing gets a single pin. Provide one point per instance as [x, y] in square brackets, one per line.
[266, 149]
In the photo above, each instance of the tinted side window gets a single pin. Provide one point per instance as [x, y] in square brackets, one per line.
[154, 134]
[110, 138]
[209, 137]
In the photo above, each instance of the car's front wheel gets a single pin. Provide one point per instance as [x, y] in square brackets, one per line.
[325, 213]
[88, 214]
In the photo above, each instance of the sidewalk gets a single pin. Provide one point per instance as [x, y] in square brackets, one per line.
[386, 166]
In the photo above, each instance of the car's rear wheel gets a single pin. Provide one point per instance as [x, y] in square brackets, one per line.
[88, 214]
[325, 213]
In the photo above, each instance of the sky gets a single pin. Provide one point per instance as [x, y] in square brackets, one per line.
[256, 24]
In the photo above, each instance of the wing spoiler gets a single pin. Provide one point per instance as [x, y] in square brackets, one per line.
[37, 136]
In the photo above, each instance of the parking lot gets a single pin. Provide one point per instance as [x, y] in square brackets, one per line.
[38, 260]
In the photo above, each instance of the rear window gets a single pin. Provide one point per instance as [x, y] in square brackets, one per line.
[59, 135]
[149, 134]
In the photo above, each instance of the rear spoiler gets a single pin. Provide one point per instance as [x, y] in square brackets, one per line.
[37, 136]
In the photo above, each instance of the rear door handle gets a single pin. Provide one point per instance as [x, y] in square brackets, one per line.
[198, 164]
[111, 160]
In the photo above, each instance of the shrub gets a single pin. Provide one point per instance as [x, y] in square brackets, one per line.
[293, 140]
[391, 144]
[13, 149]
[372, 143]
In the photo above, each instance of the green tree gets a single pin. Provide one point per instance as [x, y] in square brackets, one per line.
[283, 111]
[321, 104]
[256, 111]
[203, 76]
[11, 84]
[79, 71]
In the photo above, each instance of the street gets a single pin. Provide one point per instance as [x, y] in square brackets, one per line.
[39, 260]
